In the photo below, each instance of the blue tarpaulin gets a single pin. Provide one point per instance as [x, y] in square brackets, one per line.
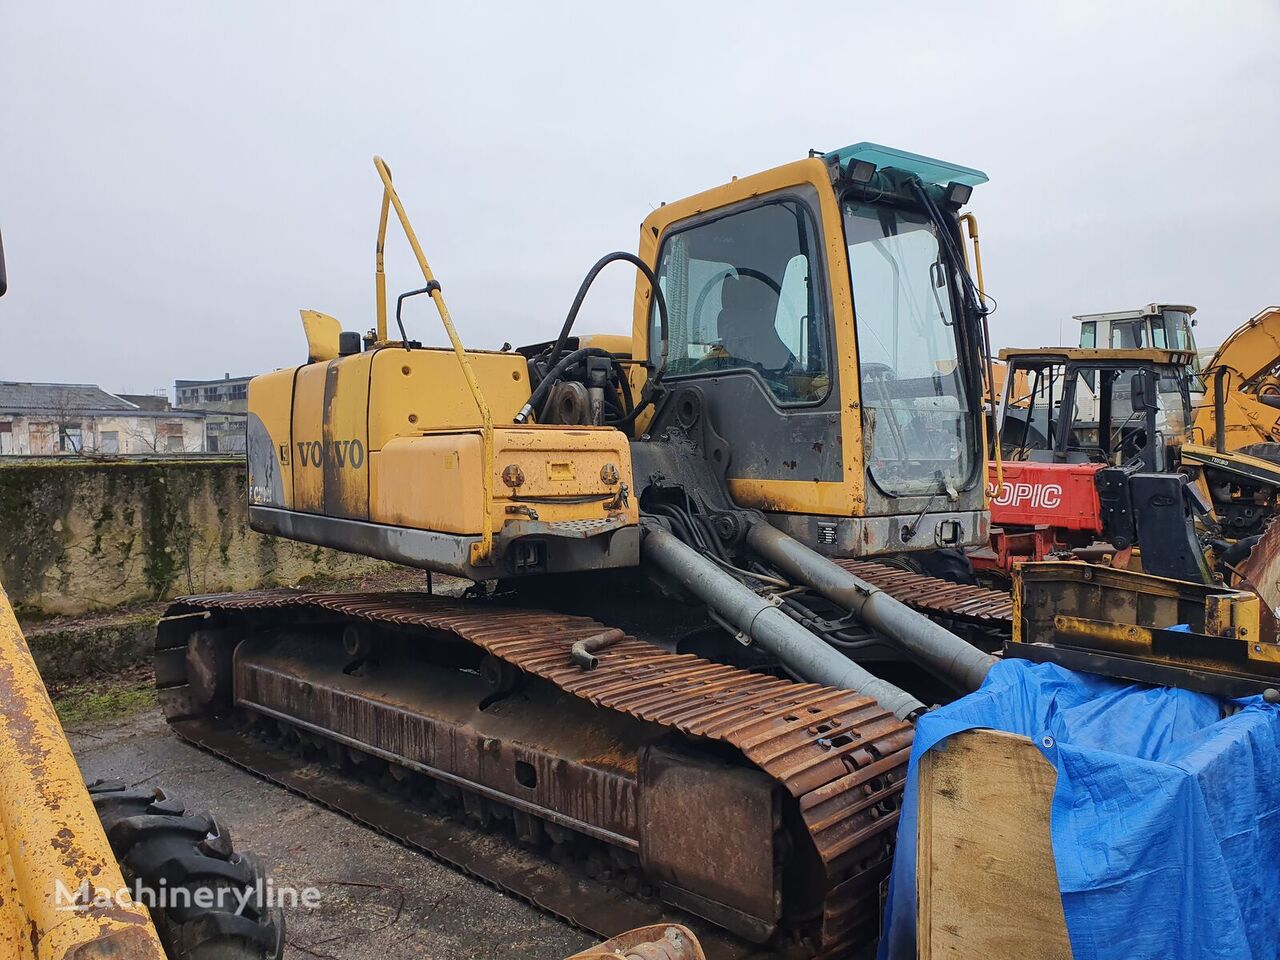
[1165, 816]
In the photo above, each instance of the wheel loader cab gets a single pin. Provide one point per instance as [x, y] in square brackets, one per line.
[821, 310]
[1091, 442]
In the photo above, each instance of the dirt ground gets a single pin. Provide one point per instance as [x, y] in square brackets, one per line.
[379, 900]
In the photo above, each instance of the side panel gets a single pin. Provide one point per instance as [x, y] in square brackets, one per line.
[344, 459]
[307, 451]
[1062, 495]
[416, 391]
[429, 483]
[269, 446]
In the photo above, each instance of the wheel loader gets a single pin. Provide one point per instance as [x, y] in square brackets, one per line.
[701, 617]
[1090, 444]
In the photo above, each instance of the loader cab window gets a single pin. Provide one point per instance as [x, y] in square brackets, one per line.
[918, 428]
[1033, 402]
[1130, 335]
[745, 295]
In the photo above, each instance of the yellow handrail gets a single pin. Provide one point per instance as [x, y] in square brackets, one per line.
[482, 552]
[971, 229]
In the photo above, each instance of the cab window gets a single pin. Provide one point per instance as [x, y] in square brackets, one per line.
[744, 293]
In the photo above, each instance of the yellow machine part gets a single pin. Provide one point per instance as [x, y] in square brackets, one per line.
[1244, 368]
[395, 437]
[433, 482]
[50, 835]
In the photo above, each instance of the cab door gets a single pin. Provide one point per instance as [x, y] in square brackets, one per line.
[750, 322]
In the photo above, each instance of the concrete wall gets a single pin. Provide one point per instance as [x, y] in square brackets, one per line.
[79, 536]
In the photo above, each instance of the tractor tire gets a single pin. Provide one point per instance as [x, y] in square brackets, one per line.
[946, 564]
[162, 847]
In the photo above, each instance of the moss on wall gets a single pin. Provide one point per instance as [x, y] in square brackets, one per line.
[82, 536]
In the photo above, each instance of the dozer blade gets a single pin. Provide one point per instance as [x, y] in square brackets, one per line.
[607, 796]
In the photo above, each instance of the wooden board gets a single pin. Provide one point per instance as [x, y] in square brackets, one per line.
[986, 884]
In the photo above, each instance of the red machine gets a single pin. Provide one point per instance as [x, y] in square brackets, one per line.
[1041, 509]
[1089, 441]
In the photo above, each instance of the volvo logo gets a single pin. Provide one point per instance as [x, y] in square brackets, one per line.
[322, 453]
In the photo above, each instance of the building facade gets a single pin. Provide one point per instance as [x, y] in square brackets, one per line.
[224, 404]
[68, 419]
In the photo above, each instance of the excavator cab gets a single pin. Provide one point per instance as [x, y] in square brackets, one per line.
[823, 310]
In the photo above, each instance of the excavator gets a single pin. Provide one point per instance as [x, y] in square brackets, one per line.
[703, 614]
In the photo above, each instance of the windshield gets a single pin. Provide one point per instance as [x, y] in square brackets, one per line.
[917, 426]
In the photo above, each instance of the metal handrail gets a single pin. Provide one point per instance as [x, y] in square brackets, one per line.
[482, 552]
[971, 229]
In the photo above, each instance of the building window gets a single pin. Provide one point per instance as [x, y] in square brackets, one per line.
[171, 438]
[69, 440]
[109, 441]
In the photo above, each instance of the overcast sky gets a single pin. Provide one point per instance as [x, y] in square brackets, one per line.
[177, 179]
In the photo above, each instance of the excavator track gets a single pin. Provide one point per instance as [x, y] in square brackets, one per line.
[964, 603]
[714, 736]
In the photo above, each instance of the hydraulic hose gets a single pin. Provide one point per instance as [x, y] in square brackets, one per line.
[934, 647]
[589, 279]
[804, 654]
[554, 375]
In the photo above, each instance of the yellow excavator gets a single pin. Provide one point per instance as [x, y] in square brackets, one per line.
[1235, 436]
[680, 685]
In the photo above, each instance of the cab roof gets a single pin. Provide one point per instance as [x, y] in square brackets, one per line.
[1093, 355]
[1150, 310]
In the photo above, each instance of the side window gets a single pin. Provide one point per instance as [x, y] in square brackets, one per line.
[1089, 334]
[1127, 336]
[743, 292]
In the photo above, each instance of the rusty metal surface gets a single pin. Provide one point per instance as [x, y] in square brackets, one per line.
[660, 941]
[958, 601]
[1261, 573]
[840, 755]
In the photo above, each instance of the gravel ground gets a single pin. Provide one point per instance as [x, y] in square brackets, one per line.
[379, 900]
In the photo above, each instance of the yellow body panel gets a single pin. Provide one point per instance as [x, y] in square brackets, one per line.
[50, 834]
[271, 408]
[418, 391]
[306, 430]
[345, 442]
[616, 343]
[429, 483]
[845, 498]
[434, 482]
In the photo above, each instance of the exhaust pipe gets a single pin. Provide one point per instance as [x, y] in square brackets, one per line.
[934, 647]
[804, 654]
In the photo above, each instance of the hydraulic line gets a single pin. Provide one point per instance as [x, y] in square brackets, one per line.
[799, 650]
[933, 646]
